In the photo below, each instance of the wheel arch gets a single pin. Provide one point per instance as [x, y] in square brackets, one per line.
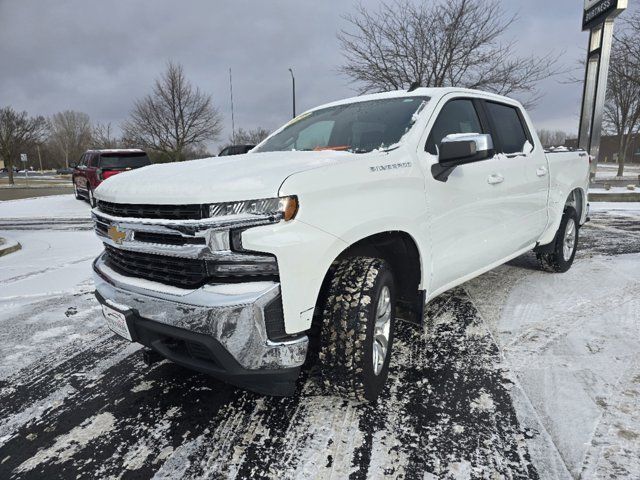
[400, 250]
[576, 198]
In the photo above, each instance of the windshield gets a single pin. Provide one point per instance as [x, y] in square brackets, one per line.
[356, 127]
[127, 160]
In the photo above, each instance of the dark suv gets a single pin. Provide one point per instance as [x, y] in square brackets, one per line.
[95, 166]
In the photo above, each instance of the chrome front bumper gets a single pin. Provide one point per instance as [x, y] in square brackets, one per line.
[232, 314]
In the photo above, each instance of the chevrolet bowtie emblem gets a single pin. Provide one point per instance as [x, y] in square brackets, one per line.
[116, 235]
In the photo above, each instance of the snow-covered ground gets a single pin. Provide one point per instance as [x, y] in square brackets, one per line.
[517, 374]
[608, 171]
[56, 212]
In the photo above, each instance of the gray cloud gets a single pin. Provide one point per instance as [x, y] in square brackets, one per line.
[98, 56]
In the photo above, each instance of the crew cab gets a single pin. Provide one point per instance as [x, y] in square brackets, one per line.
[95, 166]
[351, 216]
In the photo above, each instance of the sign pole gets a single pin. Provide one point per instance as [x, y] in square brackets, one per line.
[598, 18]
[23, 159]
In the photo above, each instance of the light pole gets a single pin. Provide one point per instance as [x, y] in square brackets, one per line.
[293, 84]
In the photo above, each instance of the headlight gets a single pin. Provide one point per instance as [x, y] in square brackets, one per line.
[282, 207]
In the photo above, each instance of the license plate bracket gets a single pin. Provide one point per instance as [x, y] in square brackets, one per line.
[118, 321]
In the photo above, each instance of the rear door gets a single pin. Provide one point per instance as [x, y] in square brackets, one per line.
[465, 213]
[525, 208]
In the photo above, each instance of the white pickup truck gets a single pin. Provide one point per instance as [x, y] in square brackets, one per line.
[351, 215]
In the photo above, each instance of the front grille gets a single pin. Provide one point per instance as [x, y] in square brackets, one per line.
[179, 272]
[167, 212]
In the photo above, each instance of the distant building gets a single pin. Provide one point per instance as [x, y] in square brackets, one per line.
[609, 148]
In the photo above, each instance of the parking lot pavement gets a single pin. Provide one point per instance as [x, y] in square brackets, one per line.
[516, 374]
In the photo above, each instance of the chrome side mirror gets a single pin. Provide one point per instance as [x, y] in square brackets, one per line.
[459, 149]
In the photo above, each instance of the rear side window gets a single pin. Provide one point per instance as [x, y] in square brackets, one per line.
[508, 127]
[127, 160]
[457, 116]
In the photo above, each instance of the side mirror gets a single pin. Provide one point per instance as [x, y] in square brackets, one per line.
[459, 149]
[73, 165]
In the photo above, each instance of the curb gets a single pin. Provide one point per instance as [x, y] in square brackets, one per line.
[8, 246]
[615, 197]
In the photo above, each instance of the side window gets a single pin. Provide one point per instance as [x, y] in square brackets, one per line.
[457, 116]
[92, 160]
[83, 160]
[508, 127]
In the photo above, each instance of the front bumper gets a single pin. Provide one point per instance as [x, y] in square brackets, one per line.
[227, 321]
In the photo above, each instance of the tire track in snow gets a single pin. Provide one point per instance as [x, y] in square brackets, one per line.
[446, 410]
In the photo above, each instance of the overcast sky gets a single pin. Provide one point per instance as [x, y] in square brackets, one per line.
[99, 56]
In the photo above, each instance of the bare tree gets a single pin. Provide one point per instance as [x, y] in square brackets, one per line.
[622, 109]
[175, 116]
[248, 137]
[439, 44]
[17, 131]
[70, 132]
[102, 136]
[552, 138]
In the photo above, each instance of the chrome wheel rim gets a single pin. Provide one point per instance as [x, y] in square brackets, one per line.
[569, 239]
[381, 330]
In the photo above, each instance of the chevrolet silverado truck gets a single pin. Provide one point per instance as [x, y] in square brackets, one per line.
[349, 217]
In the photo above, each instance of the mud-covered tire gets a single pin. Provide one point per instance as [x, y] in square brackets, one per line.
[346, 357]
[557, 261]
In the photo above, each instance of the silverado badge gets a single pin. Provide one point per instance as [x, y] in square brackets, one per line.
[116, 235]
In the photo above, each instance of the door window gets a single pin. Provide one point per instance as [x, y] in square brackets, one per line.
[508, 126]
[457, 116]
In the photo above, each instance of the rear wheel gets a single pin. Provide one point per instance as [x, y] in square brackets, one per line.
[564, 246]
[357, 329]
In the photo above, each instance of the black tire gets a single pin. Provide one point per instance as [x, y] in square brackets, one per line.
[90, 198]
[346, 357]
[556, 260]
[76, 193]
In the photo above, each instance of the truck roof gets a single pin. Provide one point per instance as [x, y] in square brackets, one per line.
[117, 150]
[433, 93]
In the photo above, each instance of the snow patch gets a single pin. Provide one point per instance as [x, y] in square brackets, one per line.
[67, 445]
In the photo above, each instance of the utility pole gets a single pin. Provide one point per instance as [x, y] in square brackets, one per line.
[39, 157]
[233, 123]
[293, 84]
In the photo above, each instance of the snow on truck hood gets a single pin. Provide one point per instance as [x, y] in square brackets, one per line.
[216, 179]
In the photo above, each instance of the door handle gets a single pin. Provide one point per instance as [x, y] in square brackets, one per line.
[495, 178]
[541, 171]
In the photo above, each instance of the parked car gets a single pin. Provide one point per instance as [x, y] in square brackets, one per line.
[235, 150]
[6, 170]
[64, 171]
[350, 216]
[95, 166]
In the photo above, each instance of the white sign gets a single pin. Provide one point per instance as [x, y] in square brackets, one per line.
[23, 157]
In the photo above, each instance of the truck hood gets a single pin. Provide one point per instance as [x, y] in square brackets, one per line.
[216, 179]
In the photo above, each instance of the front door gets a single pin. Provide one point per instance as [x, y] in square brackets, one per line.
[466, 218]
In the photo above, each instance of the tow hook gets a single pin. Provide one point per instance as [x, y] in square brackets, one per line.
[149, 357]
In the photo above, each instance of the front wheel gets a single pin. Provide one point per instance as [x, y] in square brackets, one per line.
[92, 200]
[357, 329]
[564, 244]
[76, 193]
